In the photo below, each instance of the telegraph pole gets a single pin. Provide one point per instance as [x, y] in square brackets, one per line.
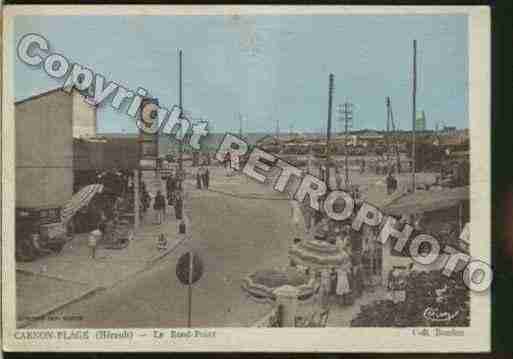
[414, 113]
[328, 130]
[390, 122]
[240, 125]
[346, 115]
[180, 104]
[387, 139]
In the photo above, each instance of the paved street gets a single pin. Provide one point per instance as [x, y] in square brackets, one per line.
[233, 236]
[239, 226]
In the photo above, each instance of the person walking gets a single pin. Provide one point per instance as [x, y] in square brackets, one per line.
[206, 178]
[178, 205]
[93, 242]
[362, 166]
[146, 199]
[324, 289]
[308, 217]
[199, 176]
[295, 215]
[160, 207]
[338, 178]
[170, 188]
[235, 162]
[391, 183]
[343, 271]
[227, 162]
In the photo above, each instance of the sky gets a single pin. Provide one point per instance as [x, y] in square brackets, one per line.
[267, 68]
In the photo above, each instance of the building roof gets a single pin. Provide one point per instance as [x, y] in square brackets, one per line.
[42, 94]
[426, 201]
[52, 91]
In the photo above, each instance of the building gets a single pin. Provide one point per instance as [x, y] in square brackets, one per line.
[84, 116]
[420, 121]
[45, 126]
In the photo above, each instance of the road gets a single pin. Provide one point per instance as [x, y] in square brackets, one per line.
[233, 236]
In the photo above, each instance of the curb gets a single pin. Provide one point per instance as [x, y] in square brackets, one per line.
[149, 263]
[152, 261]
[168, 251]
[59, 278]
[41, 315]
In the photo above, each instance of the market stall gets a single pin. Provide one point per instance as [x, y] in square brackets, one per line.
[441, 213]
[315, 255]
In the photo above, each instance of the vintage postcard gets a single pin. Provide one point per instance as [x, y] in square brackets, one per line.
[246, 178]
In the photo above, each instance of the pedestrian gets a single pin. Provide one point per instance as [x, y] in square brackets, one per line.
[324, 289]
[396, 284]
[308, 216]
[338, 178]
[235, 162]
[295, 215]
[160, 207]
[146, 200]
[362, 166]
[178, 205]
[391, 183]
[161, 242]
[93, 242]
[357, 274]
[199, 175]
[170, 187]
[322, 173]
[343, 271]
[227, 162]
[206, 178]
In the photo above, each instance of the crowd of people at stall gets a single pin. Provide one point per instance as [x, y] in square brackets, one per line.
[360, 255]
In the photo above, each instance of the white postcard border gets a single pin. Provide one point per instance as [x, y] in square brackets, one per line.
[477, 337]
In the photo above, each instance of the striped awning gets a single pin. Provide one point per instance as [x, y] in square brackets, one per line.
[79, 200]
[316, 254]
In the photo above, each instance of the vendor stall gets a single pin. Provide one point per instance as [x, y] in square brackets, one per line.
[441, 213]
[316, 255]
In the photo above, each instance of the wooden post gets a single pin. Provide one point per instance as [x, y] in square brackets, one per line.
[189, 316]
[414, 113]
[180, 102]
[137, 208]
[328, 131]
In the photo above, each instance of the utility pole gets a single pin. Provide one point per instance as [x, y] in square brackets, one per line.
[387, 134]
[328, 131]
[414, 113]
[180, 104]
[391, 123]
[346, 115]
[240, 125]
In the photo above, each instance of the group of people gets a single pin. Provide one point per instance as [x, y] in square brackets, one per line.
[231, 163]
[174, 191]
[359, 256]
[383, 166]
[174, 198]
